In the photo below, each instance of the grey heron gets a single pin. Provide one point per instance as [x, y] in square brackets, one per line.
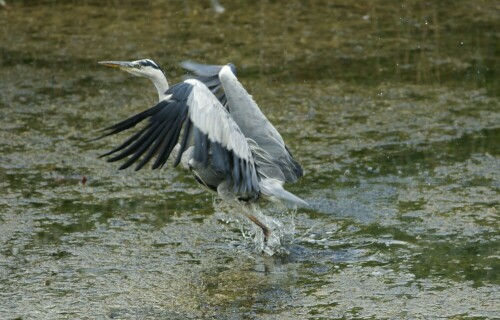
[227, 143]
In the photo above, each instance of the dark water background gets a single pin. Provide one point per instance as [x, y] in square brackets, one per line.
[392, 107]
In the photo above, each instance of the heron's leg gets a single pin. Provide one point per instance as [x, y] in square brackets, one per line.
[265, 230]
[225, 191]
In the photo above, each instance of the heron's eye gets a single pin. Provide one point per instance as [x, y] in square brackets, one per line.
[137, 65]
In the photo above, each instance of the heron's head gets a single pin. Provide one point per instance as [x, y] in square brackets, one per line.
[142, 68]
[146, 68]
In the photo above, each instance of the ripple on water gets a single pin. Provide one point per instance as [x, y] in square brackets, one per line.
[396, 125]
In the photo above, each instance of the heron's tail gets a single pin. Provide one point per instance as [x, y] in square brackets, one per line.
[273, 189]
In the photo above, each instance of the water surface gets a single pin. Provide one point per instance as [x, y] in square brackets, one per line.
[391, 107]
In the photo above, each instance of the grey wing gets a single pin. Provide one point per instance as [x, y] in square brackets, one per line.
[216, 137]
[209, 75]
[255, 126]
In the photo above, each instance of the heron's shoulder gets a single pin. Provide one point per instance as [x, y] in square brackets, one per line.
[227, 73]
[179, 91]
[194, 83]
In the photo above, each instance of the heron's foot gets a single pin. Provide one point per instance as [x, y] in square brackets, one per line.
[265, 230]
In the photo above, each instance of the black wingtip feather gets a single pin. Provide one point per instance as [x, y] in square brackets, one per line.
[158, 137]
[185, 139]
[127, 142]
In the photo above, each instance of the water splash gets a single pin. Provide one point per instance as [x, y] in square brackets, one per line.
[282, 228]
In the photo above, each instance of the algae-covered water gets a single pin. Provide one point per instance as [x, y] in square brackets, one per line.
[391, 107]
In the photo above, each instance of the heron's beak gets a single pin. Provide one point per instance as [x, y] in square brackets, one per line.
[117, 64]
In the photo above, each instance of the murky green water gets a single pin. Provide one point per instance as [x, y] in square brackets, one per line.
[392, 107]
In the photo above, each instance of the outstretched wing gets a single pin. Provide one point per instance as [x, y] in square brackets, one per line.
[217, 139]
[255, 125]
[252, 122]
[209, 75]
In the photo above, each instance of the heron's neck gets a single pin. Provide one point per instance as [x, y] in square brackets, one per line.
[161, 84]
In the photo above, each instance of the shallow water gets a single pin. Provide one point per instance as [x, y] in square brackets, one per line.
[392, 109]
